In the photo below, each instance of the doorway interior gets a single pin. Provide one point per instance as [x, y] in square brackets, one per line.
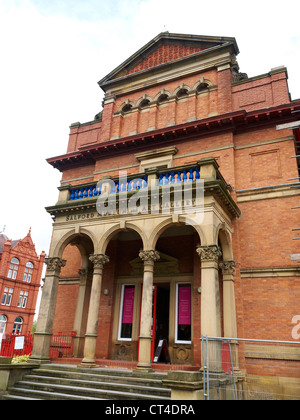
[160, 317]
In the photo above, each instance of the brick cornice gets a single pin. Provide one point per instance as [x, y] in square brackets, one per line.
[237, 121]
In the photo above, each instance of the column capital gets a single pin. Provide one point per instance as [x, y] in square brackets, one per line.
[149, 256]
[83, 271]
[85, 275]
[99, 260]
[228, 267]
[209, 253]
[55, 264]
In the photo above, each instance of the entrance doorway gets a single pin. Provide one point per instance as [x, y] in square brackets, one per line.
[160, 317]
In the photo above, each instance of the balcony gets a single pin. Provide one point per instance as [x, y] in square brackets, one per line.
[137, 182]
[84, 196]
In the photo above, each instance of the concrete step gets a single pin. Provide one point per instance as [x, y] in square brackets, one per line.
[61, 382]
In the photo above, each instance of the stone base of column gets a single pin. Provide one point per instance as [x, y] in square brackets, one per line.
[39, 360]
[89, 351]
[144, 359]
[88, 364]
[144, 367]
[41, 346]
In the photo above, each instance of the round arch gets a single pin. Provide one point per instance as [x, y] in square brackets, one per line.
[114, 230]
[162, 94]
[202, 84]
[84, 241]
[126, 106]
[182, 220]
[224, 237]
[144, 102]
[181, 91]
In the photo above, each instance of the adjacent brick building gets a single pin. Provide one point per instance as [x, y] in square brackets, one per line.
[177, 111]
[20, 281]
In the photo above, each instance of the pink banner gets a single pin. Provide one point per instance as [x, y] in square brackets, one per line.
[128, 305]
[184, 305]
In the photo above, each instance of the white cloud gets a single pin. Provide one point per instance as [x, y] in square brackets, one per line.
[52, 58]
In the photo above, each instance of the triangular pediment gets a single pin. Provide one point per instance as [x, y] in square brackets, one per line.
[166, 48]
[165, 265]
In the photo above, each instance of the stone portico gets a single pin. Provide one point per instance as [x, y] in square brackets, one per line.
[92, 235]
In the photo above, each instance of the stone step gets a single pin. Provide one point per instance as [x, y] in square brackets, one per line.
[103, 376]
[18, 393]
[75, 391]
[107, 371]
[19, 397]
[69, 382]
[123, 386]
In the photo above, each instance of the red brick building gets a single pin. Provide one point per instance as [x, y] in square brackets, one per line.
[176, 112]
[20, 280]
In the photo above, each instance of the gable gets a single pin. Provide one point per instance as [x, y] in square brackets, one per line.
[25, 247]
[165, 48]
[164, 54]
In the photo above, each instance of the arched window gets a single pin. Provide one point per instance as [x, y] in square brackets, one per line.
[202, 87]
[144, 104]
[126, 108]
[3, 321]
[182, 93]
[13, 268]
[17, 328]
[163, 98]
[28, 272]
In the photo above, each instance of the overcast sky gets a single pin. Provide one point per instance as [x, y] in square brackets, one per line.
[53, 53]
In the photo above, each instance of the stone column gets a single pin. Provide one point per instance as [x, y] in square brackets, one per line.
[43, 334]
[93, 315]
[229, 309]
[82, 310]
[144, 358]
[210, 302]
